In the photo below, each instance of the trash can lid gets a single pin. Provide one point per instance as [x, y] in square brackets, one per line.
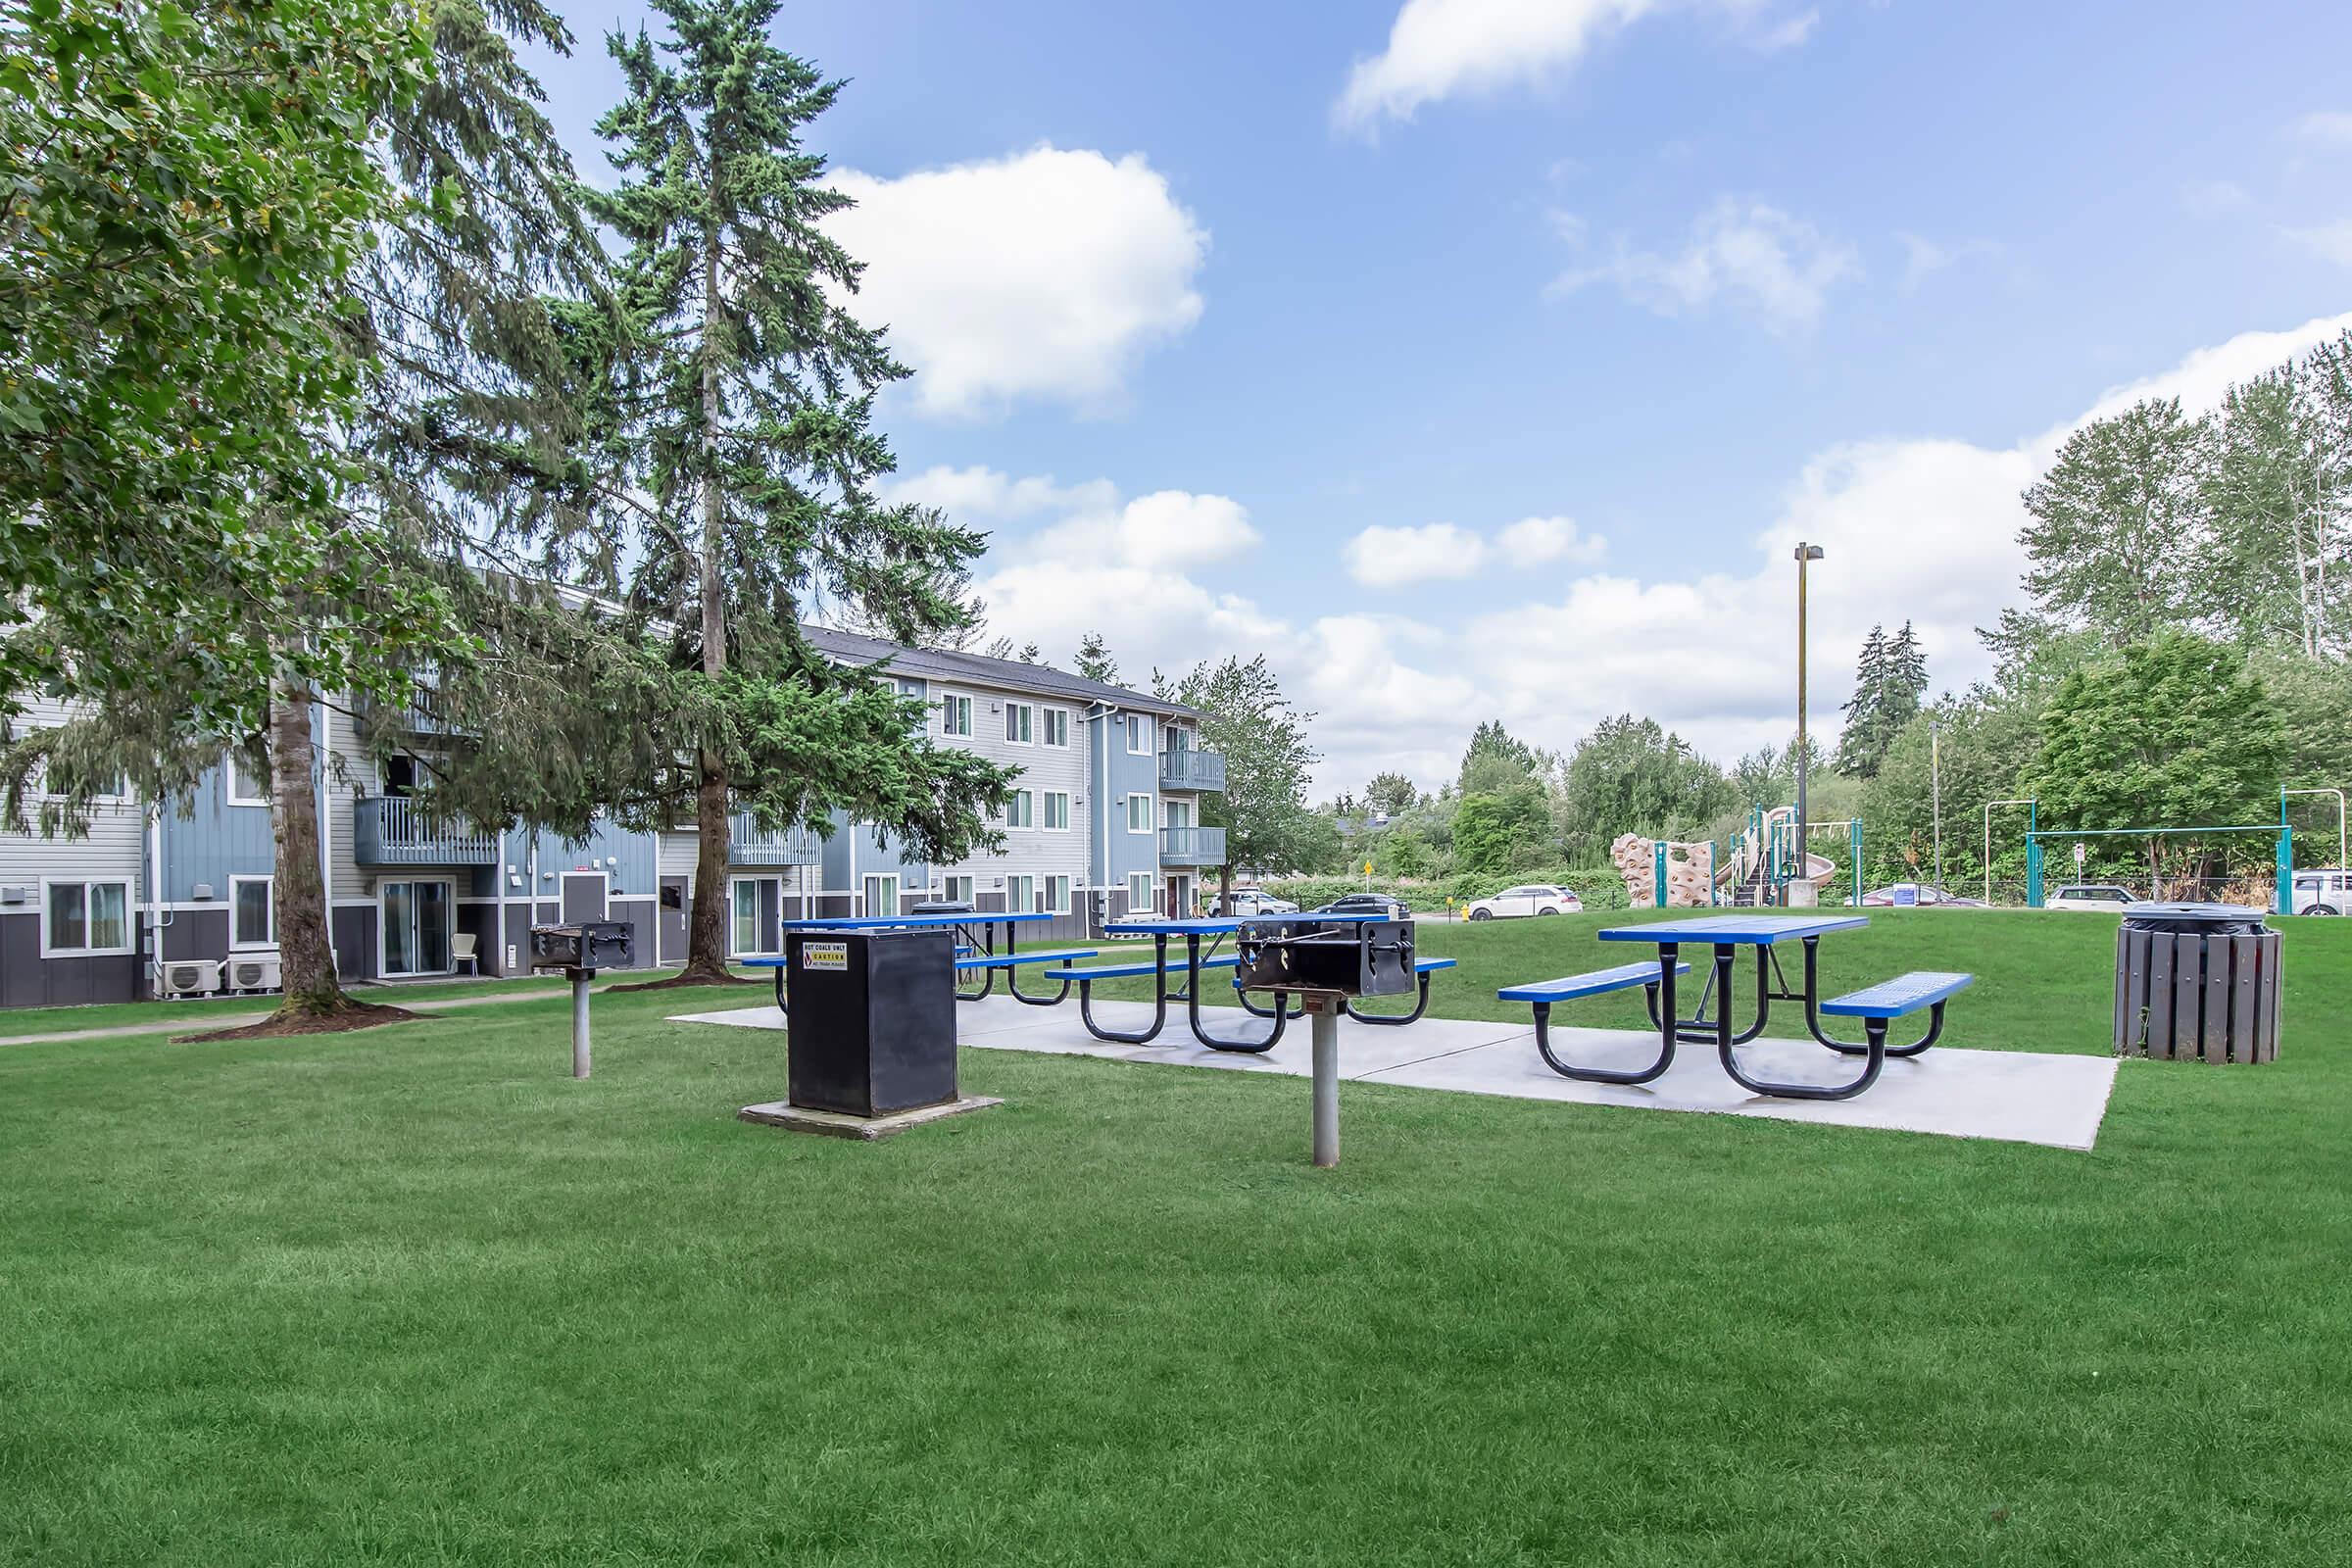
[2214, 919]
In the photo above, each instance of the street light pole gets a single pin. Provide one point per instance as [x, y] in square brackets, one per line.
[1806, 553]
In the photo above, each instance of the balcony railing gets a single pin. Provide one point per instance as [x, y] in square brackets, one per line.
[1191, 770]
[1192, 845]
[750, 843]
[389, 830]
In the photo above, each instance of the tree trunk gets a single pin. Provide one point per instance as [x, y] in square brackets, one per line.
[305, 949]
[706, 931]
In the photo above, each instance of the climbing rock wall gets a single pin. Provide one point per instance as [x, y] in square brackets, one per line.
[1689, 869]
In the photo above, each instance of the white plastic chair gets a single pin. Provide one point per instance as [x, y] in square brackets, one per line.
[461, 950]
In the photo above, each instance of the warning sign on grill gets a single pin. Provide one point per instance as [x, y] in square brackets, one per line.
[825, 955]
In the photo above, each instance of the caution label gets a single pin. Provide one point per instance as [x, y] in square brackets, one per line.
[825, 955]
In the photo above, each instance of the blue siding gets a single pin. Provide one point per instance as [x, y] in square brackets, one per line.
[214, 842]
[1114, 773]
[872, 859]
[634, 855]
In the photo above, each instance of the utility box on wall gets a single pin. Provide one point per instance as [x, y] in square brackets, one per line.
[873, 1019]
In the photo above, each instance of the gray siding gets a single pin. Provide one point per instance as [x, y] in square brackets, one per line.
[207, 840]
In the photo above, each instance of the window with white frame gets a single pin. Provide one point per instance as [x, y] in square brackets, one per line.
[955, 715]
[1058, 809]
[252, 911]
[749, 934]
[1057, 895]
[1139, 813]
[1020, 809]
[882, 895]
[245, 787]
[1180, 813]
[912, 689]
[1138, 735]
[957, 889]
[1021, 723]
[1054, 728]
[85, 919]
[1021, 895]
[1140, 890]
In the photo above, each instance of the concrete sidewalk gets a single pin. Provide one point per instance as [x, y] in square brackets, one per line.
[2012, 1096]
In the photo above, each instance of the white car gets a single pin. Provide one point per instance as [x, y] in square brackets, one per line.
[2326, 892]
[1249, 901]
[2101, 896]
[1534, 899]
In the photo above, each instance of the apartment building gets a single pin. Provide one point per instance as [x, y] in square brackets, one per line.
[180, 898]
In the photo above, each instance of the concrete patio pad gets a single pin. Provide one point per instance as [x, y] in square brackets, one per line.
[2012, 1096]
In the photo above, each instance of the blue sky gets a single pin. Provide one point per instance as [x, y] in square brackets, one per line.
[1480, 357]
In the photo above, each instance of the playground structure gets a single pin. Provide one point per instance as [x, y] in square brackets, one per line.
[1665, 875]
[1763, 868]
[2281, 832]
[1772, 855]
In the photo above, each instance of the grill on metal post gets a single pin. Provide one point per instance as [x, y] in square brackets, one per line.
[1323, 963]
[579, 951]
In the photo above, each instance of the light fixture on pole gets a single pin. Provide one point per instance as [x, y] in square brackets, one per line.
[1806, 553]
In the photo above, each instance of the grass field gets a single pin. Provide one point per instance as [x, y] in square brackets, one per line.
[413, 1295]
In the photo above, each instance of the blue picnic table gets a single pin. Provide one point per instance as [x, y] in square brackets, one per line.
[975, 929]
[1195, 964]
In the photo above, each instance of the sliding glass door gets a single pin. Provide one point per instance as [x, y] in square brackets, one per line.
[417, 928]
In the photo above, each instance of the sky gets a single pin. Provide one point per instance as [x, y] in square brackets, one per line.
[1487, 359]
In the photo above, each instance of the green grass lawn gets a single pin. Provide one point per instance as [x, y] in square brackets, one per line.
[413, 1295]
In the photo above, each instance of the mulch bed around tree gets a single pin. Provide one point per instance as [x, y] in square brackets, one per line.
[359, 1015]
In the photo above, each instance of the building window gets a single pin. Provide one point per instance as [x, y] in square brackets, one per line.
[1058, 809]
[252, 911]
[1138, 735]
[957, 889]
[1139, 813]
[1020, 719]
[1140, 894]
[1021, 895]
[1020, 809]
[85, 919]
[882, 895]
[745, 910]
[1057, 895]
[245, 787]
[1056, 727]
[955, 715]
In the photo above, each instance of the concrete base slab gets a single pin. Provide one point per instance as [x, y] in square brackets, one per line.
[837, 1124]
[2013, 1096]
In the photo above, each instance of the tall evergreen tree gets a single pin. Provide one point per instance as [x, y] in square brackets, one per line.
[750, 436]
[2117, 529]
[1094, 662]
[1495, 761]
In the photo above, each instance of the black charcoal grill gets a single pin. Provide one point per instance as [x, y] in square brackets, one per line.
[589, 945]
[1301, 953]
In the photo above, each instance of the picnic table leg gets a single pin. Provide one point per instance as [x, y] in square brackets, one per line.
[780, 1007]
[1876, 1051]
[1159, 1003]
[1391, 1019]
[1813, 1017]
[1280, 1014]
[1662, 1014]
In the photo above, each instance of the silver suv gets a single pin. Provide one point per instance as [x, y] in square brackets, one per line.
[2104, 896]
[2326, 892]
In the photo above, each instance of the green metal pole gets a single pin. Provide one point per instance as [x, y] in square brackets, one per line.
[2033, 873]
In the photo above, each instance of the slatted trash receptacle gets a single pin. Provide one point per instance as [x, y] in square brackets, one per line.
[2196, 982]
[873, 1020]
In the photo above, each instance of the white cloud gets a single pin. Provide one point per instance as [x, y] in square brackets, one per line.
[1924, 529]
[1746, 254]
[1441, 551]
[1164, 529]
[2331, 242]
[982, 492]
[1043, 275]
[1538, 541]
[2331, 127]
[1396, 558]
[1439, 49]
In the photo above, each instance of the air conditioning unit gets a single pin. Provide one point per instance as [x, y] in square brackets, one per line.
[252, 972]
[188, 977]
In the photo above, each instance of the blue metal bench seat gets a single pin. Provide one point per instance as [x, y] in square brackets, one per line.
[1569, 988]
[1011, 963]
[1135, 971]
[1144, 970]
[1878, 1005]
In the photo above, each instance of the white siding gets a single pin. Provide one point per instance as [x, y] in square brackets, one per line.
[678, 851]
[341, 785]
[116, 846]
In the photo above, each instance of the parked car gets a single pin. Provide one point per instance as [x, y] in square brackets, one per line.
[1535, 897]
[1247, 902]
[2102, 896]
[1372, 903]
[2322, 892]
[1905, 894]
